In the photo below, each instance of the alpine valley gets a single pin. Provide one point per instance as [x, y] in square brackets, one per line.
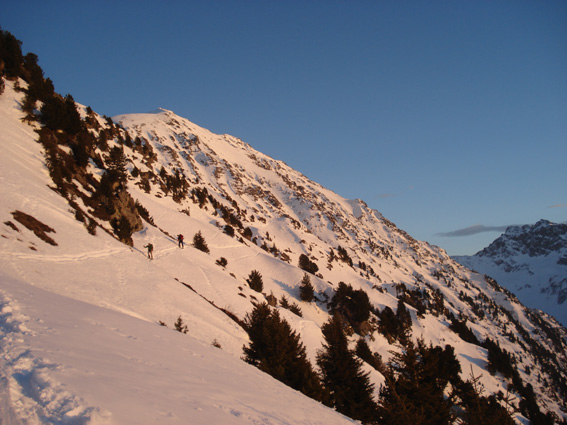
[531, 262]
[289, 304]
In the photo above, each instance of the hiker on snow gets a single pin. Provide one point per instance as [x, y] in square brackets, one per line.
[150, 251]
[180, 240]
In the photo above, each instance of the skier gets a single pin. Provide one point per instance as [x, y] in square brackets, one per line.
[180, 240]
[150, 251]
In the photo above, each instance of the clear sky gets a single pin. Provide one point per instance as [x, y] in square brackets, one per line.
[449, 117]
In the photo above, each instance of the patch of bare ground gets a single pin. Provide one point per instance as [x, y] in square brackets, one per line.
[37, 227]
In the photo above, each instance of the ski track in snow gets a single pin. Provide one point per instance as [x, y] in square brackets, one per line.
[64, 258]
[28, 393]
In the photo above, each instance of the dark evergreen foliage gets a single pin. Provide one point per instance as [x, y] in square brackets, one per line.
[144, 213]
[293, 307]
[476, 409]
[350, 388]
[499, 360]
[116, 165]
[200, 243]
[61, 114]
[415, 384]
[123, 229]
[11, 57]
[277, 350]
[373, 359]
[223, 262]
[255, 281]
[403, 315]
[343, 256]
[353, 305]
[306, 264]
[38, 87]
[247, 233]
[395, 326]
[460, 328]
[229, 230]
[199, 196]
[179, 326]
[306, 290]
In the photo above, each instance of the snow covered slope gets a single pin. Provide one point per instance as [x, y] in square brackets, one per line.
[80, 310]
[530, 261]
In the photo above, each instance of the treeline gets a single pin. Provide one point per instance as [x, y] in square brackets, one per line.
[423, 383]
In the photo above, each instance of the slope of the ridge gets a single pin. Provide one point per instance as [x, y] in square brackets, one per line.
[530, 261]
[79, 316]
[266, 186]
[287, 216]
[284, 209]
[63, 361]
[93, 268]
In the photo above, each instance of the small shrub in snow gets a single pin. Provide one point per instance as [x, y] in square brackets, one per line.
[255, 281]
[306, 264]
[200, 243]
[180, 326]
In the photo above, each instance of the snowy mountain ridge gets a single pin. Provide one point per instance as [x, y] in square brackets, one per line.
[75, 239]
[531, 261]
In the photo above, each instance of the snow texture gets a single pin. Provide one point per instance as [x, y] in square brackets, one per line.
[80, 339]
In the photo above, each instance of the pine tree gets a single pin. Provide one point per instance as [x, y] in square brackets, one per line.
[478, 409]
[61, 114]
[351, 389]
[123, 229]
[255, 281]
[306, 291]
[116, 165]
[415, 384]
[353, 305]
[277, 350]
[306, 264]
[200, 243]
[180, 326]
[10, 54]
[373, 359]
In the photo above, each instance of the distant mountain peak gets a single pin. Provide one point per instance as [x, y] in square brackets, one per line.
[539, 239]
[531, 261]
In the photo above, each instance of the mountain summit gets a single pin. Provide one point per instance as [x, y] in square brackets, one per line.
[530, 261]
[287, 304]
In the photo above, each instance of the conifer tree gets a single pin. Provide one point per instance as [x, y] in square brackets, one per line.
[353, 305]
[180, 326]
[306, 264]
[10, 54]
[373, 359]
[478, 409]
[200, 243]
[350, 388]
[277, 350]
[306, 291]
[255, 281]
[123, 229]
[415, 384]
[116, 165]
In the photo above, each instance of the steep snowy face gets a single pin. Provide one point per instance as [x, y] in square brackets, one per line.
[269, 192]
[531, 261]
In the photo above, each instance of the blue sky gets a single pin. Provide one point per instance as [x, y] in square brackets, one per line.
[448, 117]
